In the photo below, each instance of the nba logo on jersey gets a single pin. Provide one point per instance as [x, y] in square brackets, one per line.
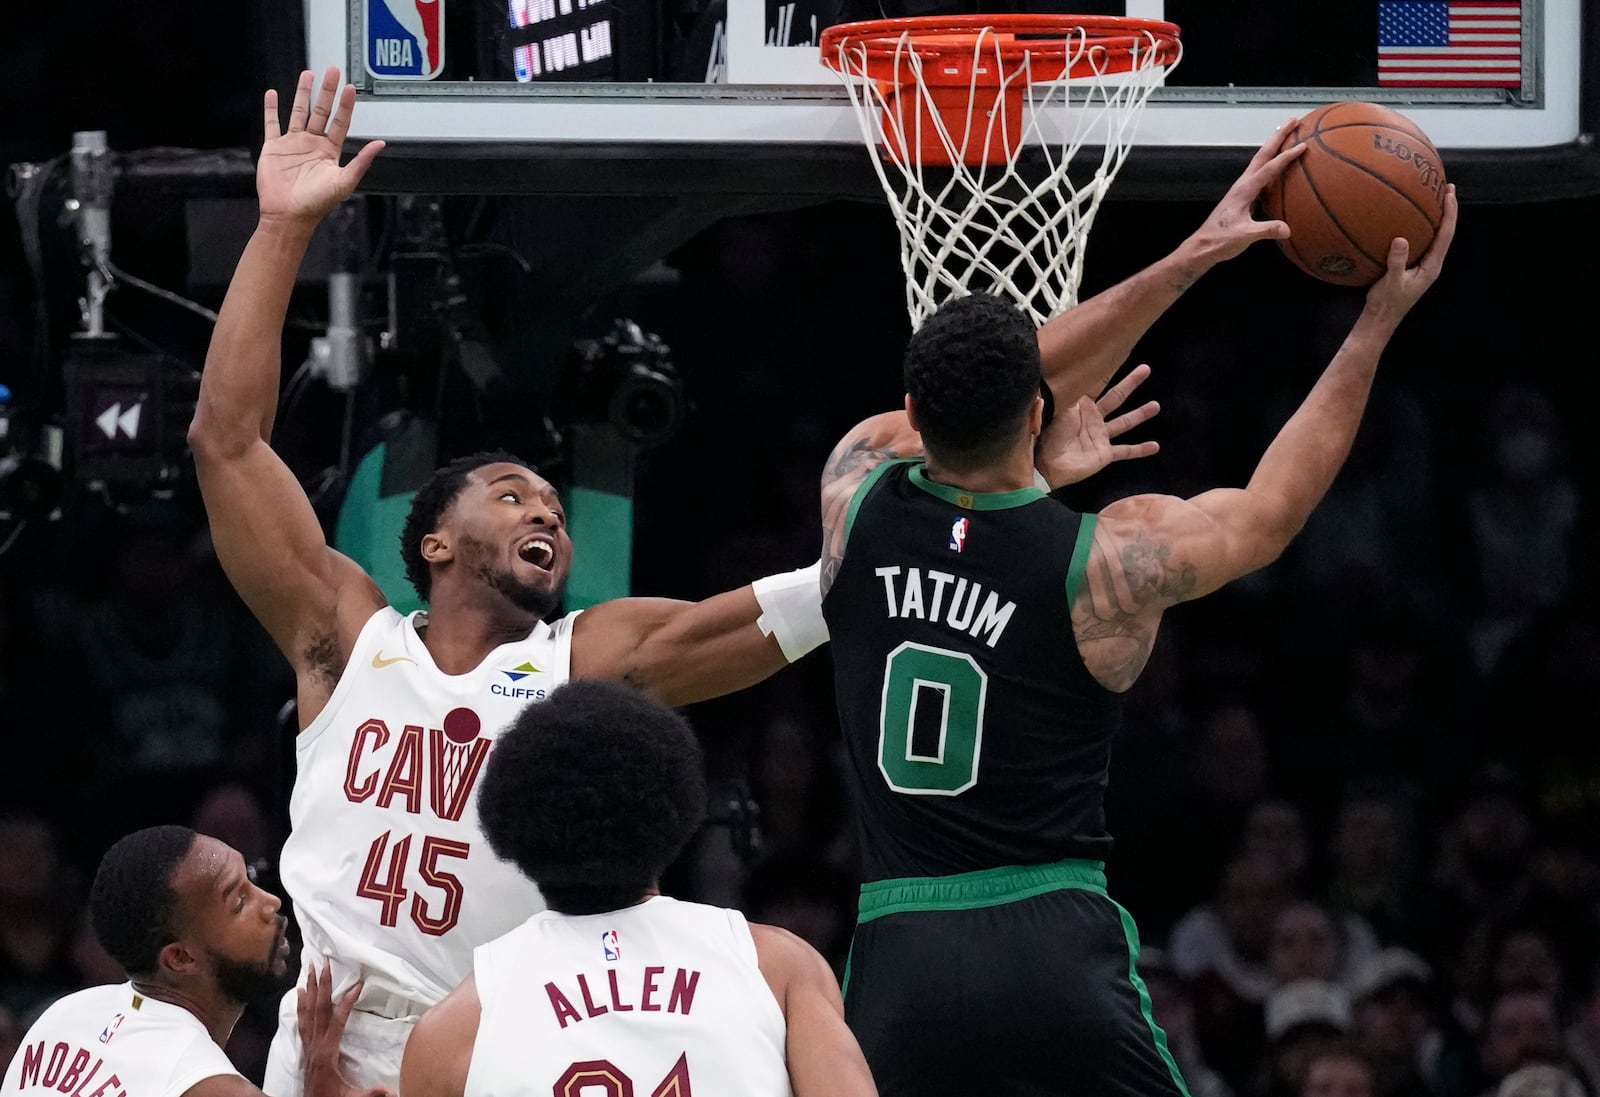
[958, 534]
[609, 942]
[111, 1029]
[405, 38]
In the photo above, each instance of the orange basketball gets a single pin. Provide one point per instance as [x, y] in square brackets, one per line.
[1368, 174]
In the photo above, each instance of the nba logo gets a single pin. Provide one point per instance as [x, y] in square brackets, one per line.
[608, 941]
[111, 1029]
[405, 38]
[958, 534]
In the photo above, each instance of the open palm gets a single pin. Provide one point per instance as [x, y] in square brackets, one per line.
[298, 176]
[1078, 442]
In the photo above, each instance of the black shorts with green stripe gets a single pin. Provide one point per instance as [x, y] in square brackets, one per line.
[1010, 982]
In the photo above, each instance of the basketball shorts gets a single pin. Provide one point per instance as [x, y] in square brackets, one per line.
[370, 1052]
[1010, 982]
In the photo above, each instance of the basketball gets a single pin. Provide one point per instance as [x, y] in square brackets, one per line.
[1368, 174]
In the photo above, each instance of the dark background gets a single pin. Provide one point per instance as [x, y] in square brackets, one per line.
[1431, 640]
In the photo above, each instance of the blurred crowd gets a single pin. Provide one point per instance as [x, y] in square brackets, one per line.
[1355, 804]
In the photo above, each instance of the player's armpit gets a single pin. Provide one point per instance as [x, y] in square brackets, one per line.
[824, 1058]
[309, 598]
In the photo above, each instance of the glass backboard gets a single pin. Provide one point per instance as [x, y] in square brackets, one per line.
[700, 82]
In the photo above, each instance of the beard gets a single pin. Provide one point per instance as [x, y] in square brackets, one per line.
[539, 602]
[245, 982]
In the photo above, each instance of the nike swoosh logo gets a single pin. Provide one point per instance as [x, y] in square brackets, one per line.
[379, 662]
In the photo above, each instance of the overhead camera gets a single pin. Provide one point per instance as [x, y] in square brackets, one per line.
[626, 377]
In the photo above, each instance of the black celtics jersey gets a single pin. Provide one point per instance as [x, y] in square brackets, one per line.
[975, 735]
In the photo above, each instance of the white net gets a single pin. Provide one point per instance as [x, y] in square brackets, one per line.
[947, 138]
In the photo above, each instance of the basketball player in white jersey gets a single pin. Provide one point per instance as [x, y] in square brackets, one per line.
[385, 866]
[387, 871]
[183, 917]
[593, 794]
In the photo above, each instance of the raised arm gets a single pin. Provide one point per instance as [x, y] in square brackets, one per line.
[267, 537]
[1083, 347]
[824, 1058]
[1151, 551]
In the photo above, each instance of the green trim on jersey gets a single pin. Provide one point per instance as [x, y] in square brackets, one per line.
[1080, 558]
[866, 485]
[1131, 931]
[990, 887]
[977, 500]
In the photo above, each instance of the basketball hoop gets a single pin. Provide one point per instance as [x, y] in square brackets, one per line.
[951, 101]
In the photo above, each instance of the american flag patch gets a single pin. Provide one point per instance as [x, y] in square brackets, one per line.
[1450, 43]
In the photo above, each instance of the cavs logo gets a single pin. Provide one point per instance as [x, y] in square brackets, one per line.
[958, 534]
[612, 947]
[457, 752]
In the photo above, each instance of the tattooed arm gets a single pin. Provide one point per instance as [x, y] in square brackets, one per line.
[872, 442]
[1154, 551]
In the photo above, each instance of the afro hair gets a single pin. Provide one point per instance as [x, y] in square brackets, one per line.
[592, 793]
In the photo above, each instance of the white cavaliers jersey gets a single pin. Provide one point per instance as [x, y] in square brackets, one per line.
[664, 998]
[385, 863]
[112, 1041]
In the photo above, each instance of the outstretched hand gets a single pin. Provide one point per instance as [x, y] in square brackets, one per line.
[1402, 286]
[322, 1022]
[1078, 442]
[1232, 227]
[298, 177]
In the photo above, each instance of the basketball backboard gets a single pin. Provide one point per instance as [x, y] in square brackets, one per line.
[732, 94]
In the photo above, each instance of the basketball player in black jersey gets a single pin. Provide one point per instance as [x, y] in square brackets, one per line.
[983, 636]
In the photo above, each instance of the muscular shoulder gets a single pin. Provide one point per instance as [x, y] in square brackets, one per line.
[440, 1048]
[1139, 565]
[789, 964]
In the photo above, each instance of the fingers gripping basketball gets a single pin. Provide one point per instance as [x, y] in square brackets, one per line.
[1368, 175]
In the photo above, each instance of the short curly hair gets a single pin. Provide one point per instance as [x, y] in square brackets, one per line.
[592, 793]
[132, 905]
[972, 370]
[430, 502]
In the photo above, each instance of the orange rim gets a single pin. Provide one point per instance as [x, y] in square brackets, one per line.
[1100, 43]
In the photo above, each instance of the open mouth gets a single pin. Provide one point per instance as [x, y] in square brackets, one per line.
[538, 552]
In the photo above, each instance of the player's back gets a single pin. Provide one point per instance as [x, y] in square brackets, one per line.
[111, 1041]
[976, 736]
[664, 997]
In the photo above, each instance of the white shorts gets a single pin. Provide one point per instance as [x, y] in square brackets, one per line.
[369, 1054]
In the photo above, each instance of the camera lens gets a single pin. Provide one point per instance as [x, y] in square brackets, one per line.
[647, 406]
